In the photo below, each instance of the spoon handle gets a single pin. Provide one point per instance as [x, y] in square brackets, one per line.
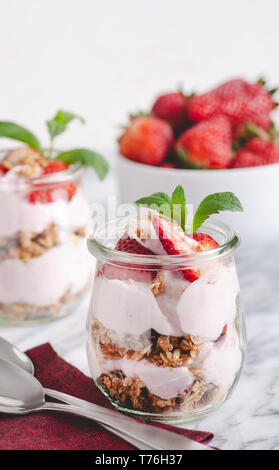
[71, 400]
[159, 439]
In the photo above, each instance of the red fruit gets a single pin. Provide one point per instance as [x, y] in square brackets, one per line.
[175, 242]
[3, 170]
[172, 107]
[51, 193]
[147, 140]
[113, 271]
[207, 144]
[255, 153]
[206, 242]
[54, 166]
[238, 100]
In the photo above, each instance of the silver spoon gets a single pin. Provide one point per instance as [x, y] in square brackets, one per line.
[21, 393]
[11, 353]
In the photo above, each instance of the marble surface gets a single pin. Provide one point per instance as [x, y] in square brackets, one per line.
[250, 418]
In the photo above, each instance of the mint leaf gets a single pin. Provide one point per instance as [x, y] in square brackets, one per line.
[87, 157]
[16, 132]
[157, 199]
[178, 202]
[174, 206]
[213, 204]
[59, 124]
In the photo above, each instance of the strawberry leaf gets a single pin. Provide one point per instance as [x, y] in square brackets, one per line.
[213, 204]
[16, 132]
[86, 157]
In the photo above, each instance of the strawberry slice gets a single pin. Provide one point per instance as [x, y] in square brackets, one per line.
[52, 192]
[3, 170]
[54, 166]
[129, 245]
[206, 242]
[175, 242]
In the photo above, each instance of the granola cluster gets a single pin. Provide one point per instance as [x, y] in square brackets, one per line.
[131, 392]
[28, 245]
[161, 350]
[30, 161]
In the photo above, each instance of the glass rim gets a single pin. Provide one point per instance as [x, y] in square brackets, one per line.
[74, 171]
[225, 249]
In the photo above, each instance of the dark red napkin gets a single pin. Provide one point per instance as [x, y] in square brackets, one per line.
[58, 431]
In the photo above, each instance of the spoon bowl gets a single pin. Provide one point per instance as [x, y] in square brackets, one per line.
[20, 392]
[12, 354]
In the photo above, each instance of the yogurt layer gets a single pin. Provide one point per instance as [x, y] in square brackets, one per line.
[45, 279]
[128, 308]
[209, 303]
[220, 361]
[201, 308]
[17, 214]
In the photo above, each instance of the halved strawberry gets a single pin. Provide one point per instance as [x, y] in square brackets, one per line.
[206, 242]
[54, 166]
[129, 245]
[51, 193]
[175, 242]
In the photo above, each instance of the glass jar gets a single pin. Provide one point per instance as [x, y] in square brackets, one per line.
[159, 346]
[45, 267]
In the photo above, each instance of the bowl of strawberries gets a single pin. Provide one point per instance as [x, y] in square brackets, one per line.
[224, 139]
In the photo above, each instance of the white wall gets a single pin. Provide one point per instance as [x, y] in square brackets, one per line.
[104, 58]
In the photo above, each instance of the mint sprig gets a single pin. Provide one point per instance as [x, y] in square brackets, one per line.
[176, 206]
[14, 131]
[87, 157]
[59, 124]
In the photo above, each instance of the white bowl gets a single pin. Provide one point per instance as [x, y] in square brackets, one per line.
[257, 188]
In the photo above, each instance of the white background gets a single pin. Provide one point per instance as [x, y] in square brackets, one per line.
[103, 59]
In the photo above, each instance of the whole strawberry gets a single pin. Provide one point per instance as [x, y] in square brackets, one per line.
[257, 152]
[172, 107]
[207, 144]
[147, 140]
[239, 100]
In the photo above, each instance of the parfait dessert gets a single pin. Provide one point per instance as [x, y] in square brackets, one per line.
[44, 264]
[165, 328]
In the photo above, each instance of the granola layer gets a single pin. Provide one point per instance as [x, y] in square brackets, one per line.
[161, 350]
[19, 311]
[131, 392]
[28, 245]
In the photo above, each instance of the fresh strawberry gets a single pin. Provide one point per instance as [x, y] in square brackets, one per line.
[172, 107]
[147, 140]
[54, 166]
[255, 153]
[51, 193]
[175, 242]
[237, 99]
[113, 271]
[207, 144]
[206, 242]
